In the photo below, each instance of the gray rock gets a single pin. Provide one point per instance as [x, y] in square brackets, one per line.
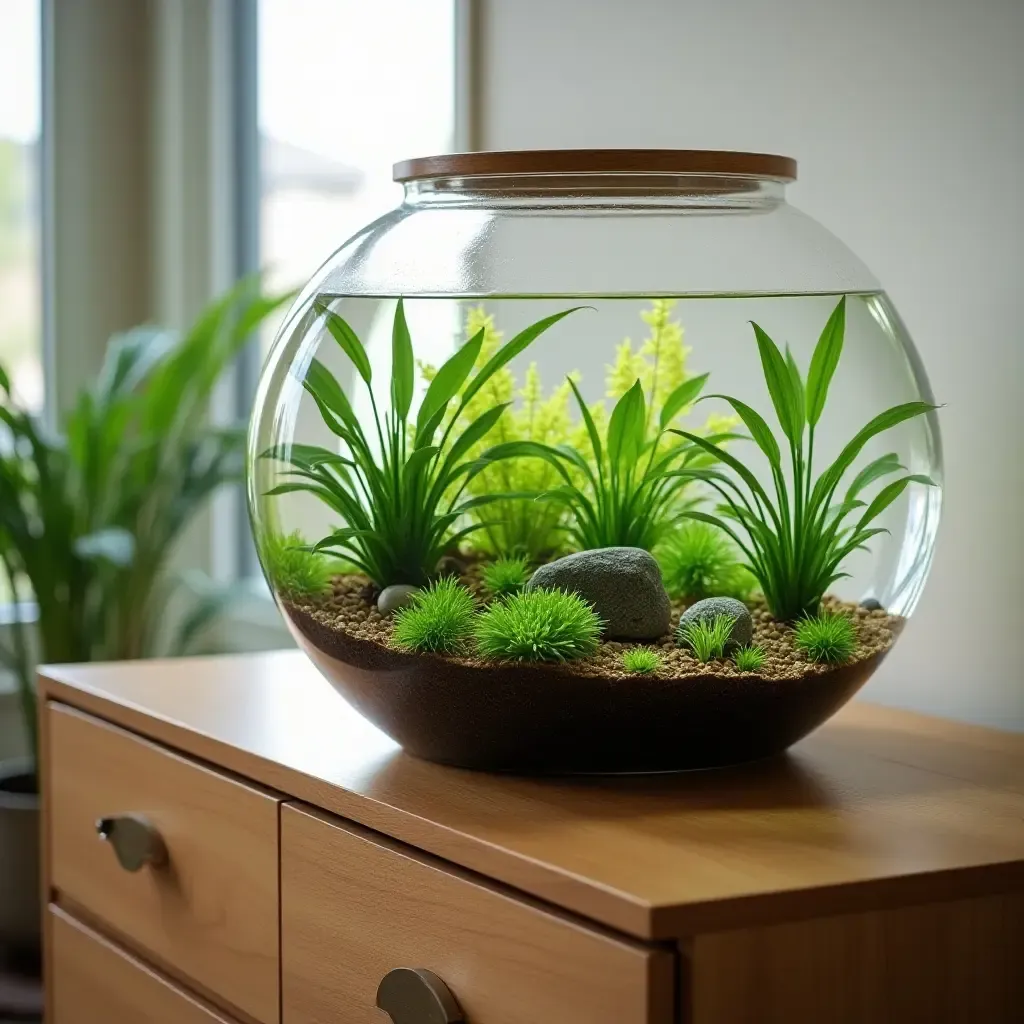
[398, 595]
[623, 584]
[871, 604]
[742, 631]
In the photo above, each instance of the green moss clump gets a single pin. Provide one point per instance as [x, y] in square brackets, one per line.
[698, 561]
[640, 660]
[706, 637]
[294, 570]
[749, 658]
[438, 620]
[826, 638]
[538, 625]
[506, 576]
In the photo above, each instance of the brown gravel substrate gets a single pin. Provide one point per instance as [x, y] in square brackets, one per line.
[348, 610]
[588, 715]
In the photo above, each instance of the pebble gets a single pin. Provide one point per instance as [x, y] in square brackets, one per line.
[398, 595]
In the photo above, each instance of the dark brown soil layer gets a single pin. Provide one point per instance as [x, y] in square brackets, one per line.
[583, 716]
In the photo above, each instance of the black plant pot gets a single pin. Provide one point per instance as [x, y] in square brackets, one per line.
[20, 896]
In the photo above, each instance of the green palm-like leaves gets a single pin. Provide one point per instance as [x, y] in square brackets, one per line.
[627, 492]
[398, 492]
[89, 514]
[796, 539]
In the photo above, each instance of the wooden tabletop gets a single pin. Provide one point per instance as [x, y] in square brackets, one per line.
[878, 807]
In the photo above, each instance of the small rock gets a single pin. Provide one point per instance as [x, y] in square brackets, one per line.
[871, 604]
[398, 595]
[623, 584]
[742, 631]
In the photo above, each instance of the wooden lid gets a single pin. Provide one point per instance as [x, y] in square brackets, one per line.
[598, 161]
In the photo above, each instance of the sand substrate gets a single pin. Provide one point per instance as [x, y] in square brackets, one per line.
[587, 715]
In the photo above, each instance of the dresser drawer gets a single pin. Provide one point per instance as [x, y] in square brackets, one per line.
[96, 983]
[356, 906]
[209, 911]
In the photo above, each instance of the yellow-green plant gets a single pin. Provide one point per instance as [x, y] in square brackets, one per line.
[620, 480]
[511, 526]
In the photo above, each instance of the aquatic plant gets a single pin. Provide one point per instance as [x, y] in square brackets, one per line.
[626, 490]
[293, 569]
[538, 625]
[398, 491]
[706, 637]
[512, 526]
[826, 637]
[536, 529]
[640, 660]
[438, 619]
[505, 576]
[796, 544]
[698, 560]
[92, 508]
[749, 658]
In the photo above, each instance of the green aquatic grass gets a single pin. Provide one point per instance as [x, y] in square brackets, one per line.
[698, 560]
[749, 658]
[293, 569]
[398, 485]
[640, 660]
[538, 625]
[627, 489]
[796, 541]
[706, 638]
[506, 576]
[439, 619]
[826, 638]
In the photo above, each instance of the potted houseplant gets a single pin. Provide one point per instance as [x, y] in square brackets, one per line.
[88, 519]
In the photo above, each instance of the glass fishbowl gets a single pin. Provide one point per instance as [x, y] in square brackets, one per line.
[595, 461]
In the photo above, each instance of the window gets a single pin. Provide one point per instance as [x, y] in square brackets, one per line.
[345, 89]
[20, 262]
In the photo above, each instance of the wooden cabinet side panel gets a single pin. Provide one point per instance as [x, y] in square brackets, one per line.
[355, 906]
[940, 963]
[94, 982]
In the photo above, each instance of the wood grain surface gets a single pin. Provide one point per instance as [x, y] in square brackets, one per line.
[951, 963]
[878, 808]
[597, 161]
[212, 911]
[355, 906]
[97, 983]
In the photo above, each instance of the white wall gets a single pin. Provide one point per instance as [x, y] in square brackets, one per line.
[907, 118]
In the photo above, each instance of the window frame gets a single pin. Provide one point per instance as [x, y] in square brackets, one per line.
[466, 24]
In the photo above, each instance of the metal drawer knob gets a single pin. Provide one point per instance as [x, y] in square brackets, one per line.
[135, 840]
[417, 996]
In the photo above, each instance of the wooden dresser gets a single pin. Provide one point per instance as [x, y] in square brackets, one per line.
[270, 858]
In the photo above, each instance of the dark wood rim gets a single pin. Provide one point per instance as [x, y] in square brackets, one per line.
[598, 161]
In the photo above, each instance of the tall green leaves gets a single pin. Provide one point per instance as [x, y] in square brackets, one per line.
[628, 491]
[398, 493]
[88, 516]
[796, 542]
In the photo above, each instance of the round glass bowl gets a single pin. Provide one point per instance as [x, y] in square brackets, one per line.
[595, 461]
